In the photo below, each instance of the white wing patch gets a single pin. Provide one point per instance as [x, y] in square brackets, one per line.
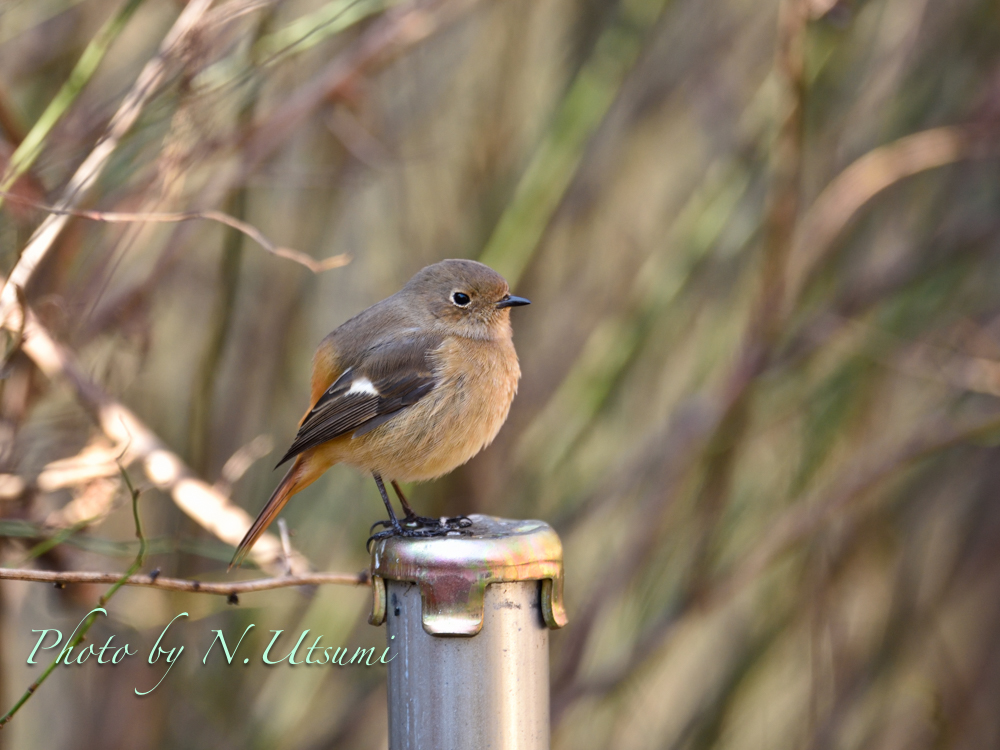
[363, 385]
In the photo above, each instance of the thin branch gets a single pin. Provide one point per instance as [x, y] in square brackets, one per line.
[209, 508]
[10, 126]
[213, 549]
[719, 451]
[27, 185]
[397, 31]
[805, 519]
[117, 582]
[31, 146]
[55, 540]
[727, 440]
[844, 197]
[241, 461]
[555, 163]
[928, 361]
[388, 37]
[140, 557]
[286, 544]
[116, 217]
[359, 143]
[181, 584]
[87, 173]
[797, 526]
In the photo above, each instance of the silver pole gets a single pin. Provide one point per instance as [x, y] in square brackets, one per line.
[467, 620]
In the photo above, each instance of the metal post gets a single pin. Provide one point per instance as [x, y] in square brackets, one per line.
[467, 620]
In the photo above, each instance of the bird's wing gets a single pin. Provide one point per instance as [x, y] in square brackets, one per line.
[389, 378]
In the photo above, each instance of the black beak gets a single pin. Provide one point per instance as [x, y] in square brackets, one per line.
[510, 301]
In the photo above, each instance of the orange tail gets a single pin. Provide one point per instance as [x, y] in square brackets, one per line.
[298, 478]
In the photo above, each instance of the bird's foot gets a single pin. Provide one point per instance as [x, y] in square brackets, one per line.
[420, 527]
[443, 524]
[392, 528]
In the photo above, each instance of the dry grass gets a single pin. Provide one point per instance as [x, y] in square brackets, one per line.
[759, 370]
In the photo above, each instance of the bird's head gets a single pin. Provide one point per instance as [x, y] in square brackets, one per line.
[465, 297]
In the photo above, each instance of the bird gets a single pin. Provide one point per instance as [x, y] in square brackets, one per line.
[407, 390]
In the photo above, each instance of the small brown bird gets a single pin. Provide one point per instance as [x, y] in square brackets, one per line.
[408, 389]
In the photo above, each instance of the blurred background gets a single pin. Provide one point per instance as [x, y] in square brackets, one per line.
[760, 373]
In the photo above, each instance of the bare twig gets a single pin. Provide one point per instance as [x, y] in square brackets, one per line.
[116, 217]
[396, 31]
[786, 170]
[555, 162]
[927, 361]
[91, 475]
[91, 504]
[117, 582]
[802, 520]
[54, 541]
[388, 37]
[286, 544]
[166, 471]
[241, 461]
[27, 186]
[720, 451]
[186, 585]
[96, 460]
[796, 526]
[9, 123]
[87, 173]
[674, 453]
[31, 146]
[361, 144]
[724, 445]
[879, 169]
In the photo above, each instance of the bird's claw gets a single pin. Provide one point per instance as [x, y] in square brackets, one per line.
[419, 527]
[422, 526]
[452, 523]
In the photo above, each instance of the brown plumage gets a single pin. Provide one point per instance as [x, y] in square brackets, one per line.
[408, 389]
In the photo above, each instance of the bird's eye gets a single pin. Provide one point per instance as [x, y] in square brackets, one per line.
[460, 298]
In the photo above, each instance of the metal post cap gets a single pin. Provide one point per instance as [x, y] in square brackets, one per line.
[453, 571]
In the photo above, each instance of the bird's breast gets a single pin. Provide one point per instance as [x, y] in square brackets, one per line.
[477, 381]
